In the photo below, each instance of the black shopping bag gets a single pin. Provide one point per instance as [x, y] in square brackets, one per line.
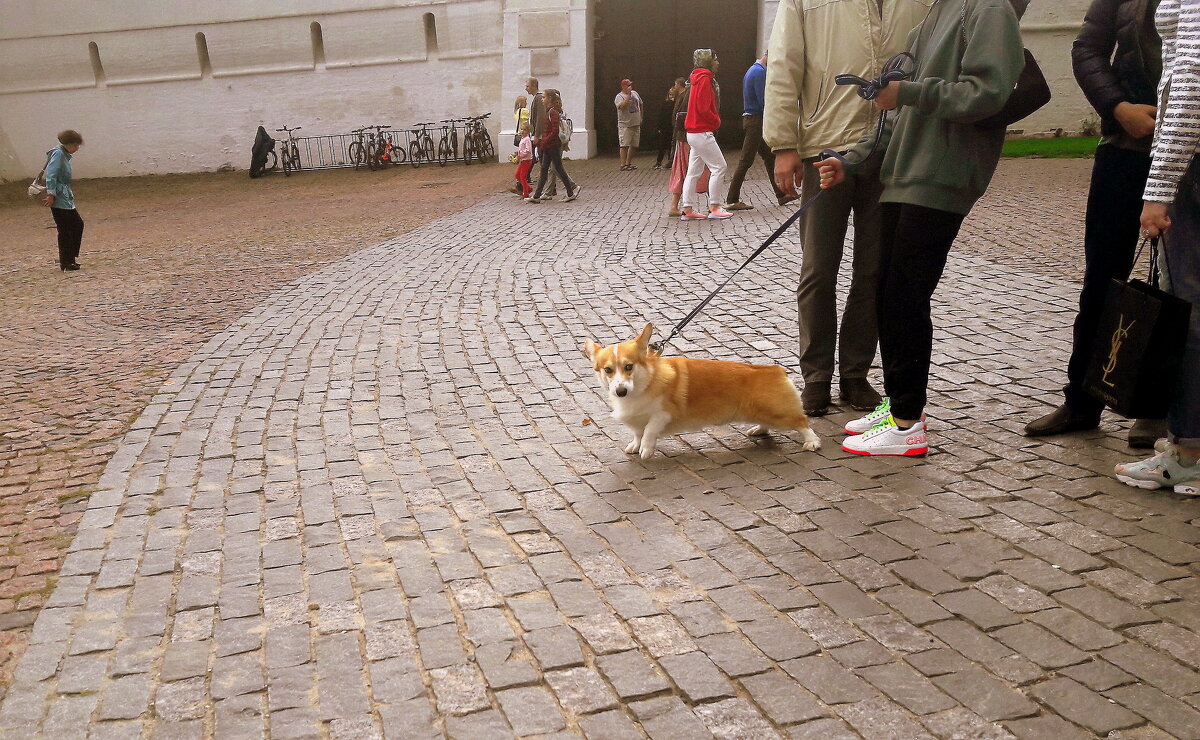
[1139, 348]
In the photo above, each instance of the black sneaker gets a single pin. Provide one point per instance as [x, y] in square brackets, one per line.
[816, 398]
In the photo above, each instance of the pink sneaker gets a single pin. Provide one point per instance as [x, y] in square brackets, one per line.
[719, 213]
[692, 215]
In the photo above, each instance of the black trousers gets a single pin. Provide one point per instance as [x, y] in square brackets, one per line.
[1110, 240]
[70, 234]
[916, 243]
[550, 157]
[752, 144]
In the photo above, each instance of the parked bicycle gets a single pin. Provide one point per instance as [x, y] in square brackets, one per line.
[477, 141]
[289, 153]
[420, 147]
[393, 150]
[448, 145]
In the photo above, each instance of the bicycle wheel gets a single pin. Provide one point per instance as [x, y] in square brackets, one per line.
[469, 150]
[427, 149]
[295, 155]
[358, 154]
[453, 144]
[443, 152]
[398, 155]
[414, 154]
[485, 140]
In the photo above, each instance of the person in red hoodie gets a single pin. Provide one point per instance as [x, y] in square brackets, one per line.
[703, 120]
[550, 146]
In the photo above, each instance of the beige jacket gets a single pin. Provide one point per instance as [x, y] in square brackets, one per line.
[812, 42]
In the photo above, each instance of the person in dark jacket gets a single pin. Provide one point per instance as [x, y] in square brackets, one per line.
[666, 126]
[1121, 87]
[550, 146]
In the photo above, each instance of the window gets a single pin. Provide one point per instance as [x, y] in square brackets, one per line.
[97, 67]
[318, 45]
[431, 42]
[202, 53]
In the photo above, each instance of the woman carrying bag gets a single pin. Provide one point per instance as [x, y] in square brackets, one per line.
[1172, 210]
[61, 200]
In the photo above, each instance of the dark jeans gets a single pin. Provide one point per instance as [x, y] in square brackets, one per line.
[752, 144]
[916, 242]
[553, 157]
[666, 148]
[1110, 239]
[1181, 260]
[70, 234]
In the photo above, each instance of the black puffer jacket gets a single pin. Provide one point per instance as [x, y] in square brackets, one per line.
[1131, 75]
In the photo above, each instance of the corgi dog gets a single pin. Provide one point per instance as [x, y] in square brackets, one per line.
[655, 395]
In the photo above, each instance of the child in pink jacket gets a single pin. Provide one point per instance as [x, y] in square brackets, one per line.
[524, 160]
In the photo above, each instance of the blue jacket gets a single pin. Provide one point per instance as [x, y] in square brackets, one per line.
[754, 86]
[58, 178]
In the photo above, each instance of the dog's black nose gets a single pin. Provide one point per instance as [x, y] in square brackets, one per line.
[621, 392]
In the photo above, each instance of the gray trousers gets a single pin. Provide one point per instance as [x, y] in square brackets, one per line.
[1180, 259]
[823, 233]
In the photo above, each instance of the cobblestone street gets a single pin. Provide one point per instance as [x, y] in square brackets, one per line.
[389, 501]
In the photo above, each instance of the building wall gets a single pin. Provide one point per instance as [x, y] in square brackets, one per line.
[156, 103]
[160, 87]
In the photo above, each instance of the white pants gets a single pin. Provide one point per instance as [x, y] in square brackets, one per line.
[705, 153]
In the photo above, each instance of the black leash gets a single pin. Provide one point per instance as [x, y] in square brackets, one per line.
[867, 90]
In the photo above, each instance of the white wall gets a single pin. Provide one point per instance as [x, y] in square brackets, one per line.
[156, 110]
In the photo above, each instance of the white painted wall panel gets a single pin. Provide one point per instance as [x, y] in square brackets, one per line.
[274, 45]
[373, 37]
[145, 56]
[45, 64]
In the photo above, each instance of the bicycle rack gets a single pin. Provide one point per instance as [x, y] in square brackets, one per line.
[333, 151]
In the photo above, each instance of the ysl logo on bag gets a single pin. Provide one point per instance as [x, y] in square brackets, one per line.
[1118, 338]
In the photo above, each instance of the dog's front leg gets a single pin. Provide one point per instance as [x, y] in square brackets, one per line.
[654, 427]
[636, 444]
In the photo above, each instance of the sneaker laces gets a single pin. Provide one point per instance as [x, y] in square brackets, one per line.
[883, 425]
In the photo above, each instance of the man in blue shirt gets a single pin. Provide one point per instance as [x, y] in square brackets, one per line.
[753, 88]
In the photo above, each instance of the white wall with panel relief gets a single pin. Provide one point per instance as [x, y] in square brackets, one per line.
[181, 86]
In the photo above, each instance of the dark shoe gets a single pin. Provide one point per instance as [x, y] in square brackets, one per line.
[739, 206]
[1060, 421]
[788, 199]
[69, 268]
[1145, 432]
[859, 394]
[815, 398]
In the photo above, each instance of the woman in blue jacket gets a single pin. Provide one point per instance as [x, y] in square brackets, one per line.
[62, 201]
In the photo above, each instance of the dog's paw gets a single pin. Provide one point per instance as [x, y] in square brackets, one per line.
[759, 431]
[647, 451]
[811, 441]
[632, 447]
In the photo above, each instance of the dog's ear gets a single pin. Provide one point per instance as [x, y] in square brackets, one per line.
[643, 339]
[589, 349]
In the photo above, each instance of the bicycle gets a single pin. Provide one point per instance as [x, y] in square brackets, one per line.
[377, 150]
[357, 151]
[448, 145]
[289, 153]
[420, 148]
[478, 140]
[393, 152]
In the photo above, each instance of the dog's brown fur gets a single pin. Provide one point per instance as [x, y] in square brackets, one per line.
[671, 395]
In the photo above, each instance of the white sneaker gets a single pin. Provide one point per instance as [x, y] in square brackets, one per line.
[864, 424]
[885, 438]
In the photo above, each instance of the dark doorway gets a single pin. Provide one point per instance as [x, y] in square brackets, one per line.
[651, 43]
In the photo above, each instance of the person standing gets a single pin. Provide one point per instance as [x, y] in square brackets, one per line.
[524, 159]
[629, 122]
[753, 93]
[968, 58]
[666, 126]
[61, 200]
[551, 146]
[1170, 210]
[1122, 90]
[701, 123]
[804, 114]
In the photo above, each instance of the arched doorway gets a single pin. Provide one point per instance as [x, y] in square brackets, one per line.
[651, 43]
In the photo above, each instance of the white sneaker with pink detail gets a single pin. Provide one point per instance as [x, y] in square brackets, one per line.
[885, 438]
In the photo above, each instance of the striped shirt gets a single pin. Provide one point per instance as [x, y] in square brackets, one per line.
[1177, 131]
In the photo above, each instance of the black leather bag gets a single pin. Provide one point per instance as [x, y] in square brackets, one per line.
[1030, 94]
[1139, 349]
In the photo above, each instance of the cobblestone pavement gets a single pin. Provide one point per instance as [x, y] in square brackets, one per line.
[168, 262]
[389, 502]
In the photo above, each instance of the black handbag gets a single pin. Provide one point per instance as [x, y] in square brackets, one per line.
[1030, 94]
[1139, 347]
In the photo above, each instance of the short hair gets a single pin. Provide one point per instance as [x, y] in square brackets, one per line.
[70, 136]
[532, 81]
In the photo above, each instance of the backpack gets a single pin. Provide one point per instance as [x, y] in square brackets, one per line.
[565, 129]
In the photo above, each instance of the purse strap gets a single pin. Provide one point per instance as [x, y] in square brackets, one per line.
[41, 174]
[1153, 276]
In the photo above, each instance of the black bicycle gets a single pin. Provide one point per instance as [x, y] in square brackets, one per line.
[357, 151]
[448, 145]
[289, 153]
[477, 142]
[420, 148]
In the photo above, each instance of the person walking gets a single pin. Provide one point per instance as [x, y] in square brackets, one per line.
[629, 122]
[1122, 90]
[1171, 210]
[683, 153]
[666, 126]
[61, 200]
[804, 113]
[537, 118]
[969, 56]
[753, 93]
[524, 159]
[550, 146]
[701, 123]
